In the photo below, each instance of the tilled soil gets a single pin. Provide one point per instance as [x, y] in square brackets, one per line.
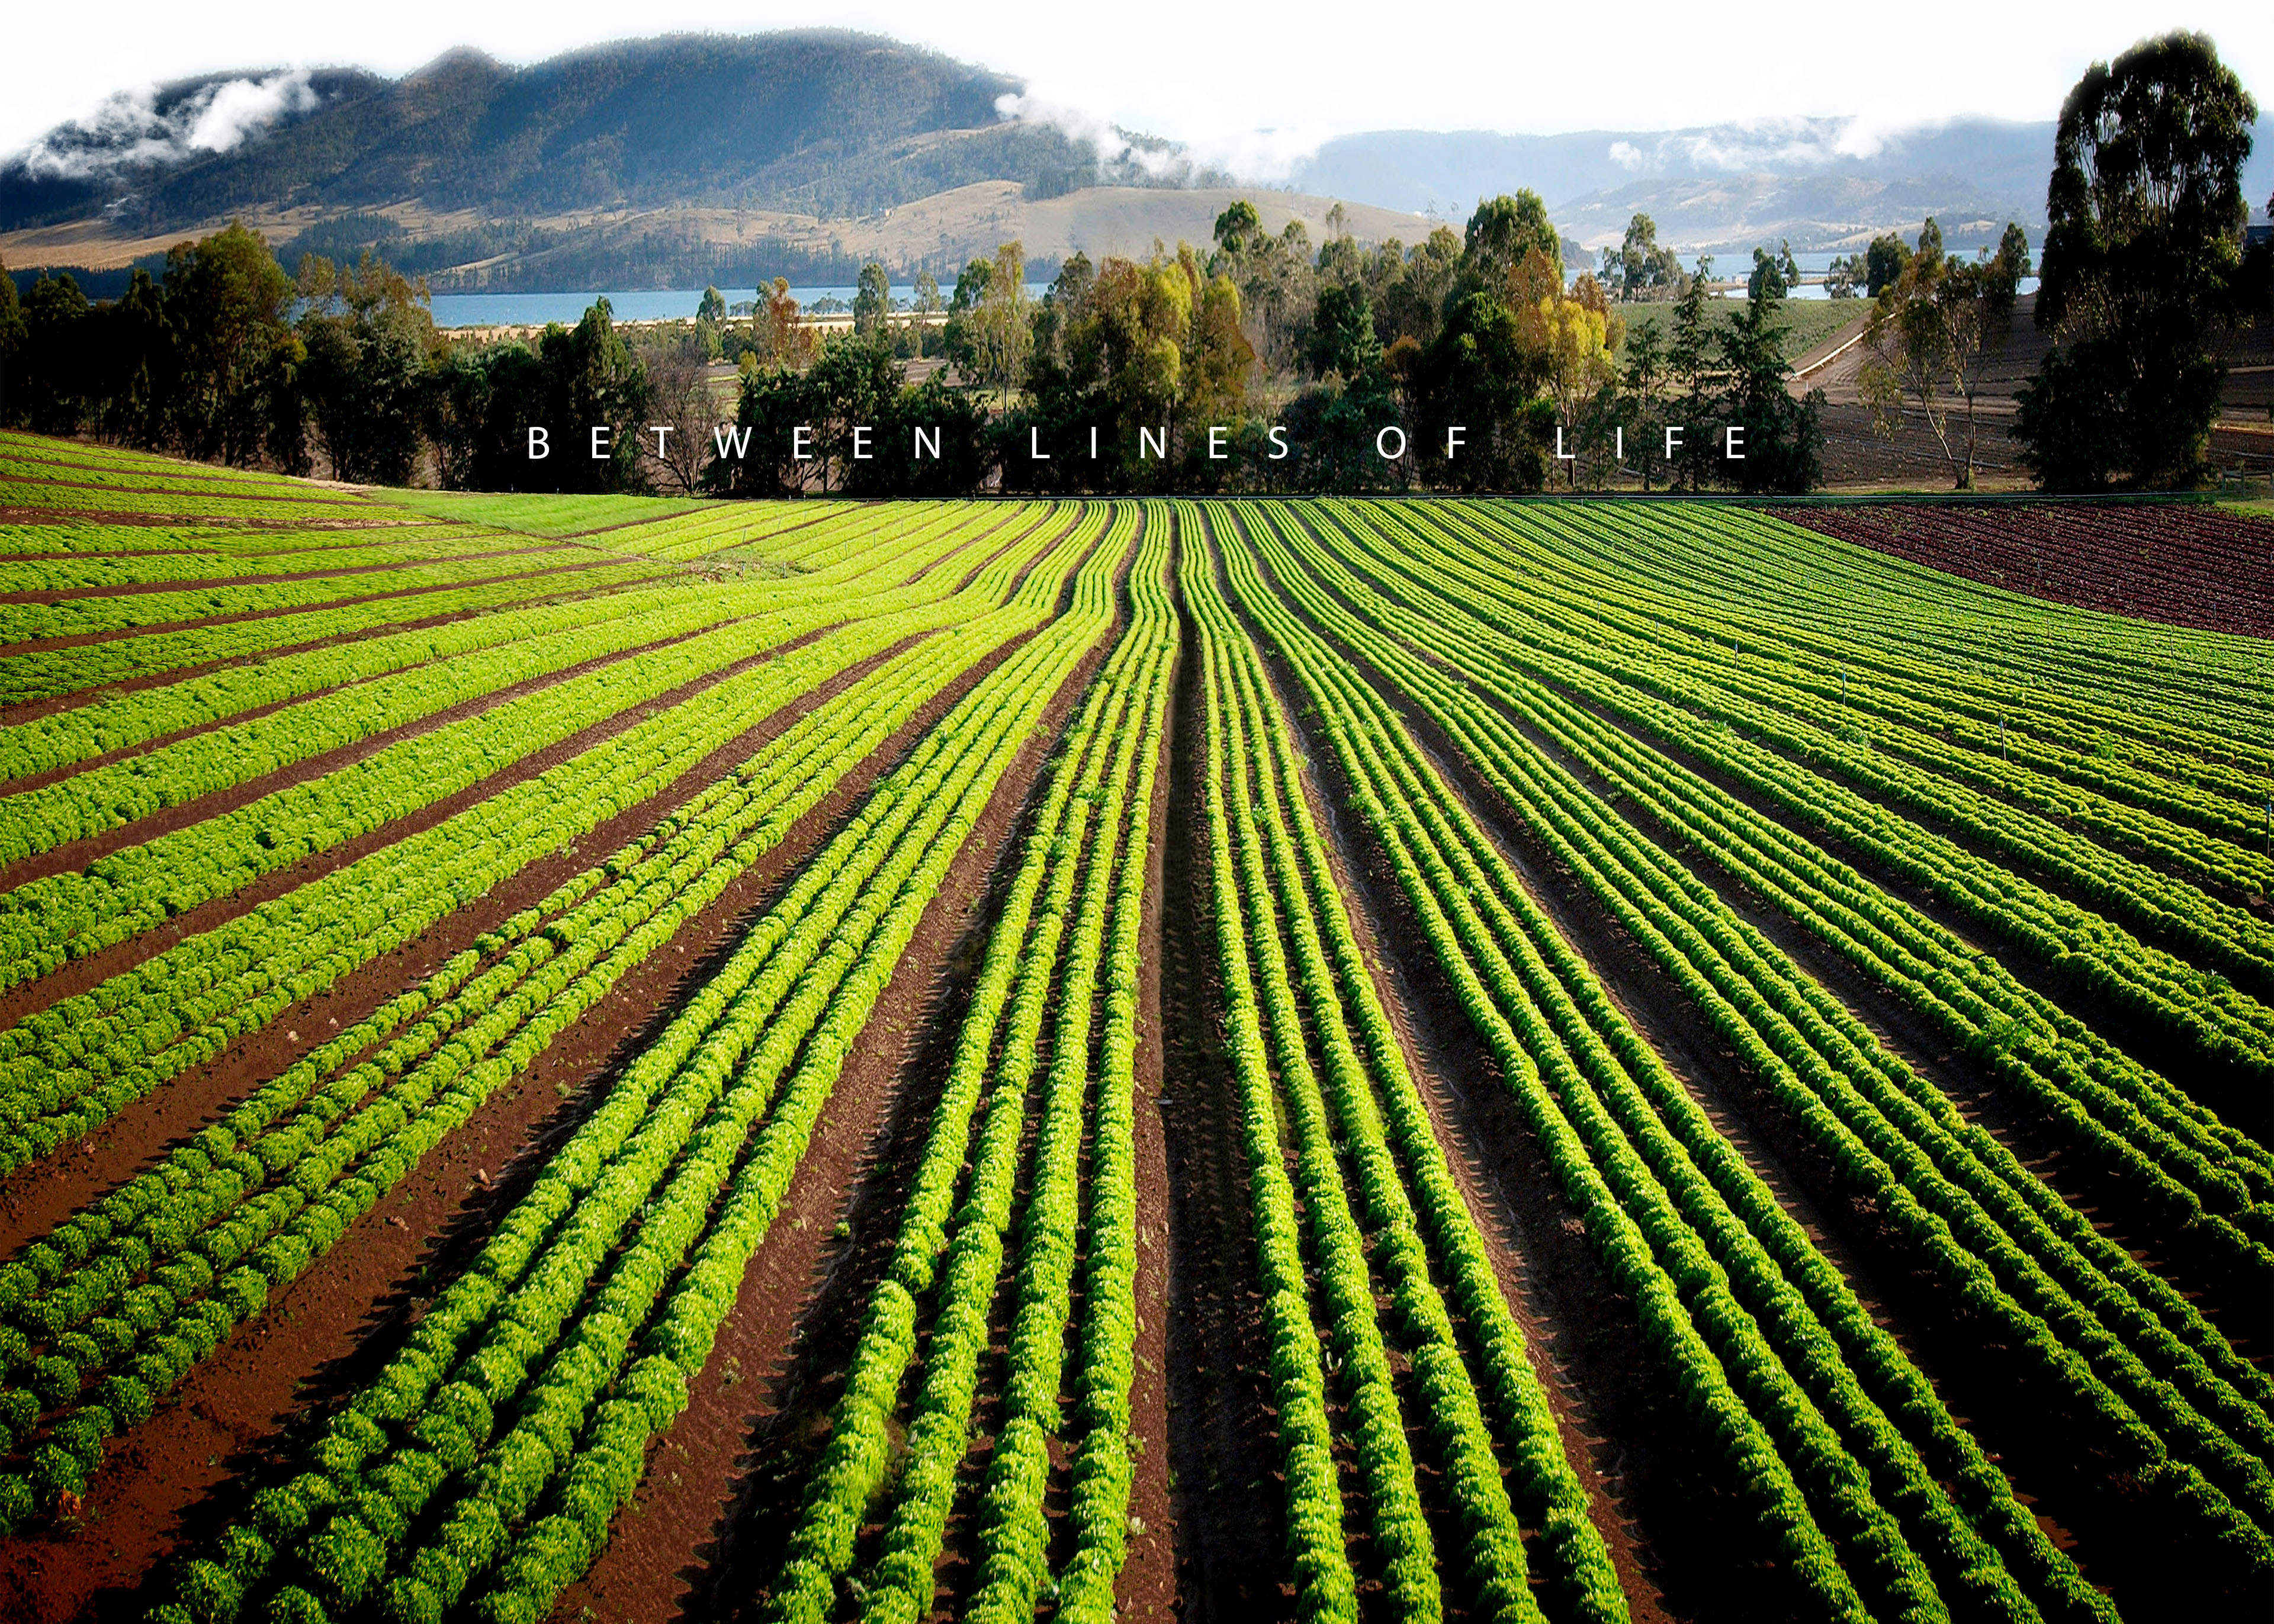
[1227, 1489]
[408, 595]
[83, 974]
[178, 1474]
[705, 1526]
[2186, 563]
[76, 856]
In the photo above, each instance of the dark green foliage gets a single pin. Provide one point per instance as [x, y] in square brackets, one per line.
[1783, 438]
[1883, 262]
[1504, 231]
[572, 382]
[2142, 259]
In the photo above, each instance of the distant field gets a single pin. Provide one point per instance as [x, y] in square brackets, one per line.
[542, 515]
[1811, 320]
[1337, 1062]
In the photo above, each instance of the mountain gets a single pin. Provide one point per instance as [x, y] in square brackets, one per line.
[1823, 182]
[691, 159]
[820, 122]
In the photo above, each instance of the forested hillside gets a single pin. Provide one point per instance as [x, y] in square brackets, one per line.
[818, 122]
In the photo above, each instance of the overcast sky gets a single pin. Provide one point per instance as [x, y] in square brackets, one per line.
[1243, 83]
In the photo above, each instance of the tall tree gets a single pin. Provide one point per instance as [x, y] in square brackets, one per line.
[368, 330]
[57, 321]
[1931, 338]
[1504, 231]
[2145, 216]
[231, 305]
[1883, 262]
[872, 300]
[1689, 364]
[11, 341]
[1641, 412]
[1639, 268]
[1783, 438]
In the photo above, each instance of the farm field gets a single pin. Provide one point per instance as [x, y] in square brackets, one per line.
[1557, 1063]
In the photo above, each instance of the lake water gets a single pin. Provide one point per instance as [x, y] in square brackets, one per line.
[480, 310]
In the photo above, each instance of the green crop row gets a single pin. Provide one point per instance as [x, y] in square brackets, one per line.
[2180, 1157]
[48, 673]
[1829, 1080]
[1015, 979]
[900, 1583]
[104, 798]
[1104, 1467]
[1012, 1552]
[81, 573]
[1275, 893]
[1651, 694]
[111, 612]
[553, 1310]
[2102, 671]
[127, 719]
[406, 1098]
[2195, 1009]
[80, 1060]
[1384, 1121]
[2190, 830]
[1678, 1182]
[299, 508]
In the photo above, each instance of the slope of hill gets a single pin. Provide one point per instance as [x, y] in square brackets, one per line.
[822, 123]
[1823, 182]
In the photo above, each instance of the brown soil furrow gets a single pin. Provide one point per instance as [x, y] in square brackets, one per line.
[1147, 1589]
[1227, 1487]
[32, 710]
[45, 645]
[37, 1197]
[139, 589]
[724, 1488]
[174, 1478]
[82, 974]
[79, 855]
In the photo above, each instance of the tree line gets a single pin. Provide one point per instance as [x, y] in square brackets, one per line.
[1259, 361]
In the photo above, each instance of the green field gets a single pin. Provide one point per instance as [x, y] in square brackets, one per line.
[1336, 1060]
[1811, 321]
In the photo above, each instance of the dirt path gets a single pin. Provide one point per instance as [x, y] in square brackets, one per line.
[1147, 1589]
[1227, 1494]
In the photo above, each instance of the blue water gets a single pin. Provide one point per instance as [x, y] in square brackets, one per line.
[476, 310]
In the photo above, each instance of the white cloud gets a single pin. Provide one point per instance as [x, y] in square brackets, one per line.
[1627, 155]
[130, 129]
[1258, 90]
[1262, 155]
